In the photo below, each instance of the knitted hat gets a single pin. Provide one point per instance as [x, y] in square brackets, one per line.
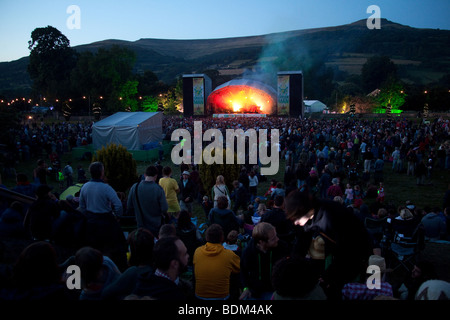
[434, 290]
[378, 261]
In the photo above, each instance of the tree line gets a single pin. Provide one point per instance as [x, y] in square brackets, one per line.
[101, 81]
[106, 80]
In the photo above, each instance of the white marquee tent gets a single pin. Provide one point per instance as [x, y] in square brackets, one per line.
[133, 130]
[314, 106]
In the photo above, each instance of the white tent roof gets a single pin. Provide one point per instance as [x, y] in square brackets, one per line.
[314, 106]
[130, 129]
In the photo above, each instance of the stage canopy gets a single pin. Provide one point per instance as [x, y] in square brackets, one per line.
[133, 130]
[242, 96]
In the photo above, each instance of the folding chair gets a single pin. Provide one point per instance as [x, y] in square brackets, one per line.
[377, 230]
[404, 251]
[375, 226]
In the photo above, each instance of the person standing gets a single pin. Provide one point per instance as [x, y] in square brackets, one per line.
[171, 189]
[396, 162]
[368, 157]
[68, 174]
[103, 208]
[334, 190]
[239, 196]
[220, 189]
[187, 192]
[41, 172]
[42, 215]
[147, 201]
[378, 169]
[348, 195]
[421, 172]
[253, 184]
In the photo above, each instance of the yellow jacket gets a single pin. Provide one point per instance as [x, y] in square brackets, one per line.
[213, 266]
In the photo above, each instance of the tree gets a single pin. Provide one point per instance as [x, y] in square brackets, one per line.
[376, 71]
[149, 104]
[51, 61]
[320, 83]
[107, 74]
[391, 93]
[127, 96]
[149, 85]
[363, 104]
[171, 100]
[120, 167]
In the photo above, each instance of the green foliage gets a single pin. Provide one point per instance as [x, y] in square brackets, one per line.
[107, 73]
[149, 85]
[376, 71]
[127, 94]
[51, 61]
[149, 104]
[209, 172]
[120, 167]
[170, 101]
[392, 92]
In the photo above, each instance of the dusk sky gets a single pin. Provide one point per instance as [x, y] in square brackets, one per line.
[197, 19]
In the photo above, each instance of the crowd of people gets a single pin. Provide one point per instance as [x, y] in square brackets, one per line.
[304, 238]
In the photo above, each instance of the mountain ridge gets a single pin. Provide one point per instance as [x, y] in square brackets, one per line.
[423, 55]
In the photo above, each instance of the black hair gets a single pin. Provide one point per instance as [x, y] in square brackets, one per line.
[222, 202]
[165, 251]
[21, 177]
[297, 204]
[279, 200]
[36, 266]
[294, 277]
[167, 170]
[214, 234]
[184, 220]
[151, 171]
[96, 169]
[90, 261]
[141, 242]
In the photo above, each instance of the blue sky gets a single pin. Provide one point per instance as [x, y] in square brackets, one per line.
[198, 19]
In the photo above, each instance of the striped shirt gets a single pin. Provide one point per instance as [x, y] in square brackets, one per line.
[360, 291]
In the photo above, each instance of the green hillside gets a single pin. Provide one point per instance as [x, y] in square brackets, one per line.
[421, 55]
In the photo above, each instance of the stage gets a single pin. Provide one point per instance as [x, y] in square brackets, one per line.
[239, 115]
